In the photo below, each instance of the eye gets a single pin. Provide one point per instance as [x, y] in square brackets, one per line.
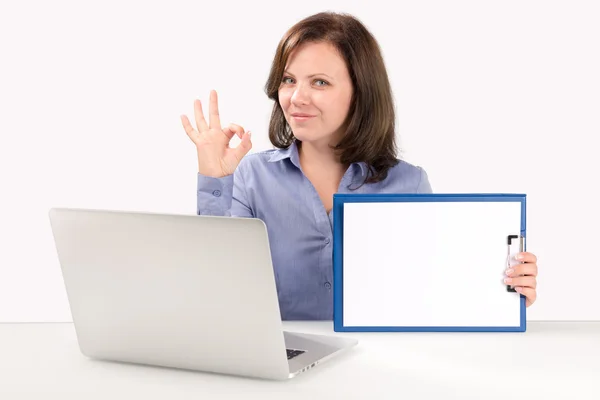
[285, 78]
[324, 82]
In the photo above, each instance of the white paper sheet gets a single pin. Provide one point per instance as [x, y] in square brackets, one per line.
[428, 264]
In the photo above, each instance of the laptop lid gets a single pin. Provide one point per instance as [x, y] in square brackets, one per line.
[184, 291]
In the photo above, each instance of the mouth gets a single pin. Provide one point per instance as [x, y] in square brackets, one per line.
[302, 117]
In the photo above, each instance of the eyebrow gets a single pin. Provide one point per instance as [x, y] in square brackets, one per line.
[310, 76]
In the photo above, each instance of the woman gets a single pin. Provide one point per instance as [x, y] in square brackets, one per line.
[333, 129]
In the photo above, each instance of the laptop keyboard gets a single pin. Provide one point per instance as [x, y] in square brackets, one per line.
[293, 353]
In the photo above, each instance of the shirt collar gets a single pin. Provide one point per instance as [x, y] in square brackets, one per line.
[291, 152]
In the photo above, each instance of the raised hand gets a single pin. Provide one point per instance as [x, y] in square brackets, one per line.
[215, 157]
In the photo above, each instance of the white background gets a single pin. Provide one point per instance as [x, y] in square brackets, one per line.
[496, 96]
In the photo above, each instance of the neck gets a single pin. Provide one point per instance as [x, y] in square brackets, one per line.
[320, 157]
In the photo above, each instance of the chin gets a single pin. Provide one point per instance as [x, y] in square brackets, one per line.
[310, 134]
[302, 134]
[305, 135]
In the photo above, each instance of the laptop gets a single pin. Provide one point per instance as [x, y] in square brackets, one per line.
[181, 291]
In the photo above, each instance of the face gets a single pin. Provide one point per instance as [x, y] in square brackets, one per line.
[315, 93]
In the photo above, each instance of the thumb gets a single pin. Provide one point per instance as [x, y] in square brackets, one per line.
[244, 147]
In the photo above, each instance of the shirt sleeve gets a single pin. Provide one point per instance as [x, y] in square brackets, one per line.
[424, 185]
[222, 196]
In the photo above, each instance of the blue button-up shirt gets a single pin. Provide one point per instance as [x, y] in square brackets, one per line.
[271, 186]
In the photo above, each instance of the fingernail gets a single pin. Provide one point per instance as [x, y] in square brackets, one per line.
[519, 256]
[519, 289]
[509, 272]
[507, 280]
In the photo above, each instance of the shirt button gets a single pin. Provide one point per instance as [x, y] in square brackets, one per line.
[327, 240]
[328, 285]
[216, 193]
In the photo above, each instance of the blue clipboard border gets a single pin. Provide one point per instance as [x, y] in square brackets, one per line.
[338, 275]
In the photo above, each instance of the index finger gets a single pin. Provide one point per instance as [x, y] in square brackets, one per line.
[213, 110]
[526, 257]
[237, 129]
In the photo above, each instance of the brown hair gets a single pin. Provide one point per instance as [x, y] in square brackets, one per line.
[370, 125]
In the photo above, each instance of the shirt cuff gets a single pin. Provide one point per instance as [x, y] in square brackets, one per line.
[214, 195]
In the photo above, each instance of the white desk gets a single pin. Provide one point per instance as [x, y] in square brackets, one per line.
[549, 361]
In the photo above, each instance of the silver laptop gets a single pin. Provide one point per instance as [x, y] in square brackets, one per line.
[182, 291]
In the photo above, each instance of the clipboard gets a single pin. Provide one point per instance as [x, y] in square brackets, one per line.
[427, 262]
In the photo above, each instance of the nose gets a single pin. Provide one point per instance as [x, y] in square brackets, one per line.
[299, 97]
